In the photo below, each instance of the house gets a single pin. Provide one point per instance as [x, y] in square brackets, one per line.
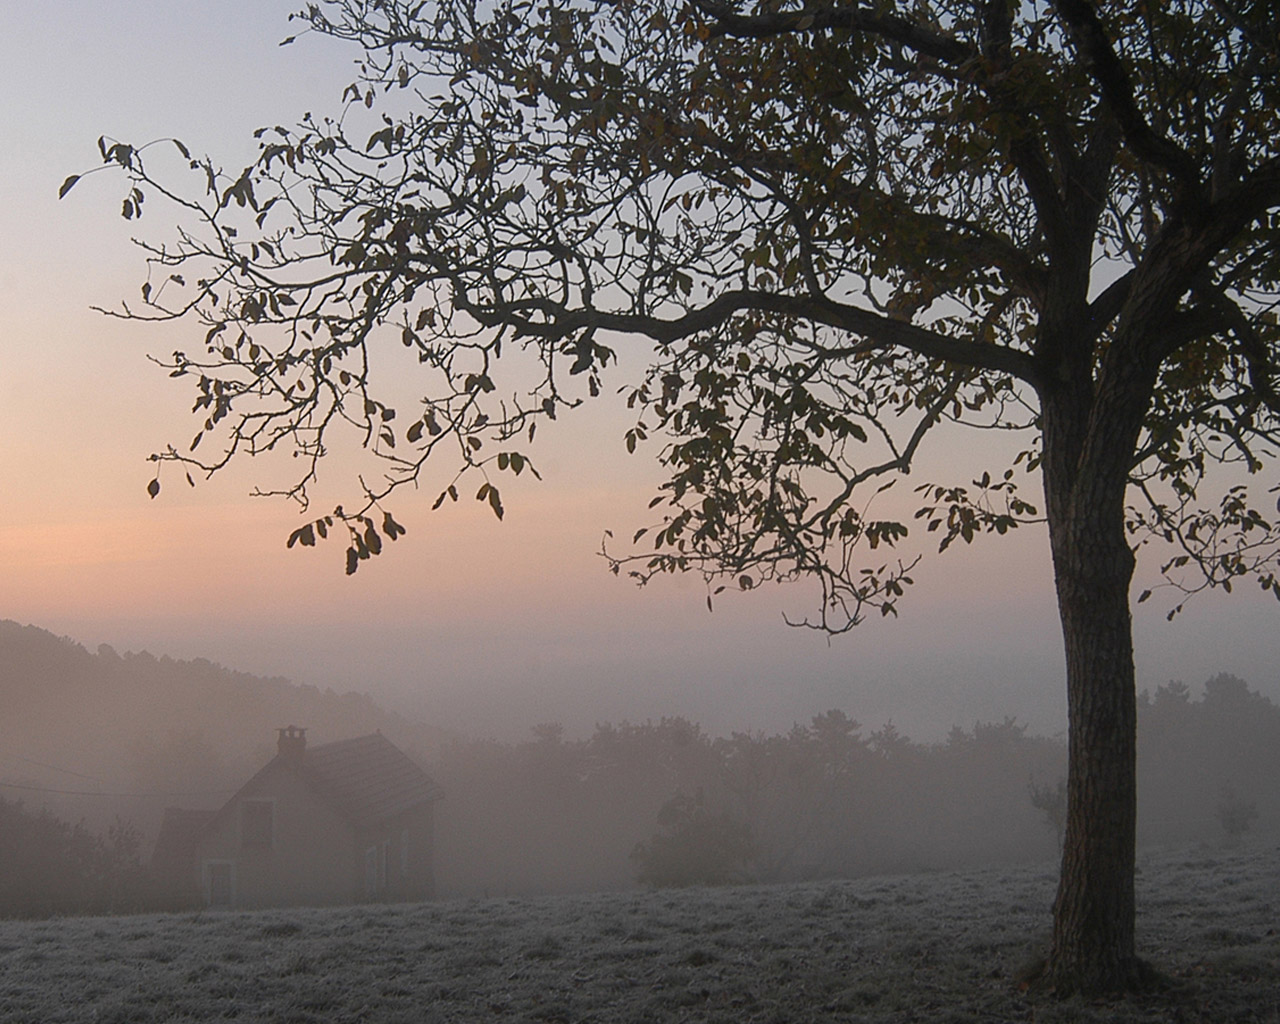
[340, 822]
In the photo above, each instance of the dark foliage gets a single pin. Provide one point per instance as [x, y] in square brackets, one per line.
[694, 846]
[49, 866]
[1201, 759]
[1051, 801]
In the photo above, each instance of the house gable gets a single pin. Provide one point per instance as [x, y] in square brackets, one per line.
[336, 823]
[286, 842]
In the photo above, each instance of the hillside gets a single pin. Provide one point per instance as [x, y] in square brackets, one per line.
[93, 735]
[937, 947]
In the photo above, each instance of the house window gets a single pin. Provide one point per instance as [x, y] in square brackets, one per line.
[257, 821]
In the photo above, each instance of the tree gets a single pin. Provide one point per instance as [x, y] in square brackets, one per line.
[1051, 801]
[793, 793]
[1234, 814]
[833, 227]
[49, 866]
[693, 846]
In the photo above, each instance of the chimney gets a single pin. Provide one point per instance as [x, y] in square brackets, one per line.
[291, 742]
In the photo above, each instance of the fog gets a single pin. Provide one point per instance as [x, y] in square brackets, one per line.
[482, 628]
[470, 633]
[946, 946]
[110, 739]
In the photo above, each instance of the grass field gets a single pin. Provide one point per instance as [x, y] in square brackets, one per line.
[935, 948]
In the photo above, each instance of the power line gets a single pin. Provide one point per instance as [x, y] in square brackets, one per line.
[93, 778]
[98, 792]
[56, 768]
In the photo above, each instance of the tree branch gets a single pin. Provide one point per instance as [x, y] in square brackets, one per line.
[896, 29]
[1090, 37]
[560, 322]
[1263, 372]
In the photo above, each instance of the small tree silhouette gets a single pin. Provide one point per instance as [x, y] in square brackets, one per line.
[1235, 814]
[1051, 801]
[693, 846]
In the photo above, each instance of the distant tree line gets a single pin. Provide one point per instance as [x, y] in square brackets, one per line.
[662, 802]
[1207, 766]
[823, 799]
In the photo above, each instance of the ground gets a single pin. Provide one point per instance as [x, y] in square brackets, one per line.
[935, 947]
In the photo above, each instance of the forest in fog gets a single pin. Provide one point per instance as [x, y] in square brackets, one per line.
[96, 745]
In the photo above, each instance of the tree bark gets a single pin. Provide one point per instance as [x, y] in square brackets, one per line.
[1085, 477]
[1093, 927]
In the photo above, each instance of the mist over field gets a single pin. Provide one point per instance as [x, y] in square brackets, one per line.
[108, 740]
[644, 871]
[942, 946]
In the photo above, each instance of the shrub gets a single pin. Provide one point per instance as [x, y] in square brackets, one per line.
[694, 846]
[1051, 801]
[49, 866]
[1234, 814]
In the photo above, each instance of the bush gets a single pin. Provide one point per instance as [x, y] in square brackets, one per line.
[49, 866]
[693, 846]
[1234, 814]
[1051, 801]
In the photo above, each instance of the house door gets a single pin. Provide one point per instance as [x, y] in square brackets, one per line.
[221, 884]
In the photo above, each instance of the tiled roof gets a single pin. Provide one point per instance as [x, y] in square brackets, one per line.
[368, 778]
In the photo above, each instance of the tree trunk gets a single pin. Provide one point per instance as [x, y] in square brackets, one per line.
[1093, 922]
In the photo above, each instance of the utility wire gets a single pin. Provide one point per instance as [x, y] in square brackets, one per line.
[54, 767]
[98, 792]
[93, 778]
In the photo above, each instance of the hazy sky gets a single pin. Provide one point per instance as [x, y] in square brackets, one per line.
[476, 625]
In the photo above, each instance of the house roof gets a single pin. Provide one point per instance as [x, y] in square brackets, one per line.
[369, 779]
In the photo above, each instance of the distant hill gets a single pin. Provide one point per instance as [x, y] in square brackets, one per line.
[97, 734]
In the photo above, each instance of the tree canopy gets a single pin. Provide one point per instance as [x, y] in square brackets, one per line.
[828, 228]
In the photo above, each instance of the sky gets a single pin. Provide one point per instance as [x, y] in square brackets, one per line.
[475, 625]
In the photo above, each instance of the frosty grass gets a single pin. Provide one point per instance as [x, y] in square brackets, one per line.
[931, 948]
